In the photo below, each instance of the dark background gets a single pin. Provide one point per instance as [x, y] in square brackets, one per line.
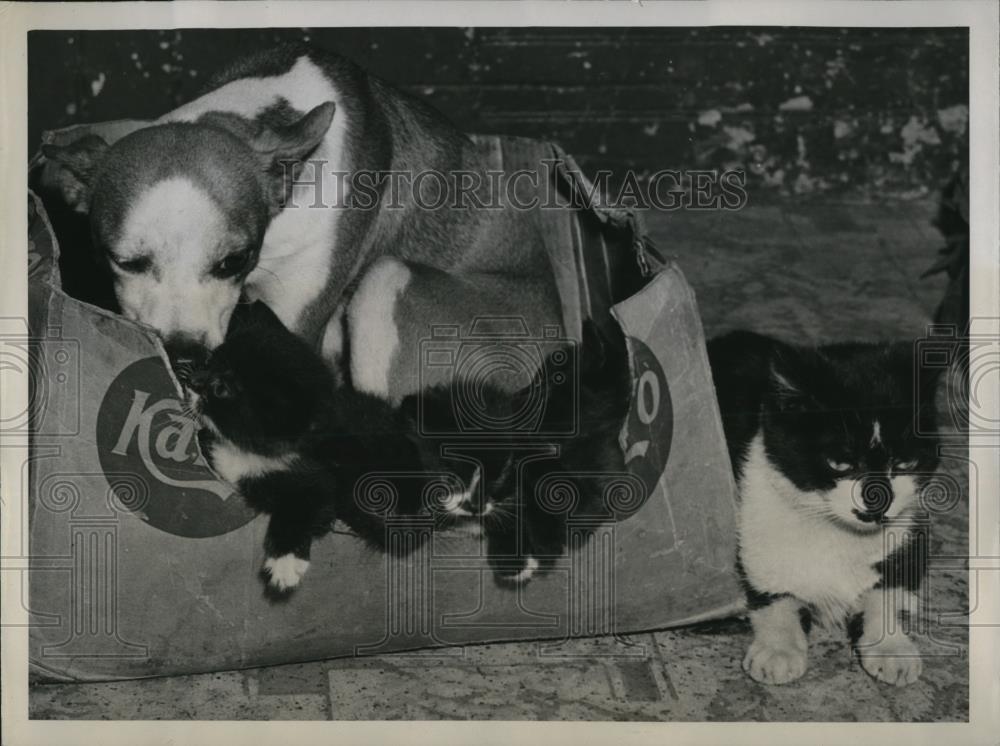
[803, 110]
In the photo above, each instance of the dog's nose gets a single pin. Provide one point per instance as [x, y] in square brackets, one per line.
[186, 355]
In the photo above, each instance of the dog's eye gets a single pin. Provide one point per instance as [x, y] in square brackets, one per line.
[839, 466]
[136, 265]
[906, 465]
[231, 265]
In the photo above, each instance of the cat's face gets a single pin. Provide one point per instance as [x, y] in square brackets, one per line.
[263, 388]
[482, 488]
[841, 424]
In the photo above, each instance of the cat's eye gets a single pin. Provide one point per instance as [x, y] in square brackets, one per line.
[231, 265]
[906, 465]
[839, 466]
[222, 389]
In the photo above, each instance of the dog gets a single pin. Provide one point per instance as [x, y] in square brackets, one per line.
[242, 193]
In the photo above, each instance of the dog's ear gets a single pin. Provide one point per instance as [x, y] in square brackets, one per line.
[282, 149]
[72, 168]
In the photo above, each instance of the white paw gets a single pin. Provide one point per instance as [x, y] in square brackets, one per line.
[285, 572]
[894, 660]
[775, 664]
[530, 566]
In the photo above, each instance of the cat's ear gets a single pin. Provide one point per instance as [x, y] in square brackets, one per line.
[409, 411]
[788, 381]
[253, 315]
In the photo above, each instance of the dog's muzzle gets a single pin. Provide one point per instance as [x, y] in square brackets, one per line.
[186, 355]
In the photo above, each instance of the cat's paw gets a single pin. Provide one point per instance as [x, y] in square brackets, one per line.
[284, 573]
[771, 663]
[520, 574]
[893, 660]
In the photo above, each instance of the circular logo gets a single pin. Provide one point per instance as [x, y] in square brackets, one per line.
[650, 425]
[142, 431]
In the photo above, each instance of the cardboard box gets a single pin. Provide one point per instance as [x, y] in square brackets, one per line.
[144, 563]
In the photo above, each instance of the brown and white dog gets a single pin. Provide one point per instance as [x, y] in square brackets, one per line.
[248, 190]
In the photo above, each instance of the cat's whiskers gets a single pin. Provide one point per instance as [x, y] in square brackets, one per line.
[496, 518]
[815, 511]
[190, 413]
[500, 513]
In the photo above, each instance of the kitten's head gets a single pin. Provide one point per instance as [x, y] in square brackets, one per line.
[842, 423]
[481, 484]
[263, 388]
[480, 467]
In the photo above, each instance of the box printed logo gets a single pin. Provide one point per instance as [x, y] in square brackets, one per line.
[140, 425]
[650, 426]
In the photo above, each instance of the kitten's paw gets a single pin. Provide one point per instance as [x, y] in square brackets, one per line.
[284, 573]
[513, 575]
[775, 664]
[894, 660]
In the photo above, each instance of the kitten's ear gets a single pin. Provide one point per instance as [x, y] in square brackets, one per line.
[253, 315]
[410, 412]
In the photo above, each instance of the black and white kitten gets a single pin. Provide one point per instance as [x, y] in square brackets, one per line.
[518, 497]
[825, 451]
[263, 398]
[308, 451]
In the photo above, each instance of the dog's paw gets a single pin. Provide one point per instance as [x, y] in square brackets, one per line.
[893, 660]
[769, 663]
[284, 573]
[519, 574]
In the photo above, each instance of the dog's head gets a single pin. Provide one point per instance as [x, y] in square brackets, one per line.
[178, 212]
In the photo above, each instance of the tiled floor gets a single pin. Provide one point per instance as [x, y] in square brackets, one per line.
[807, 272]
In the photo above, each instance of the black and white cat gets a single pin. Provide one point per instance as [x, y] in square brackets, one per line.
[307, 451]
[826, 457]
